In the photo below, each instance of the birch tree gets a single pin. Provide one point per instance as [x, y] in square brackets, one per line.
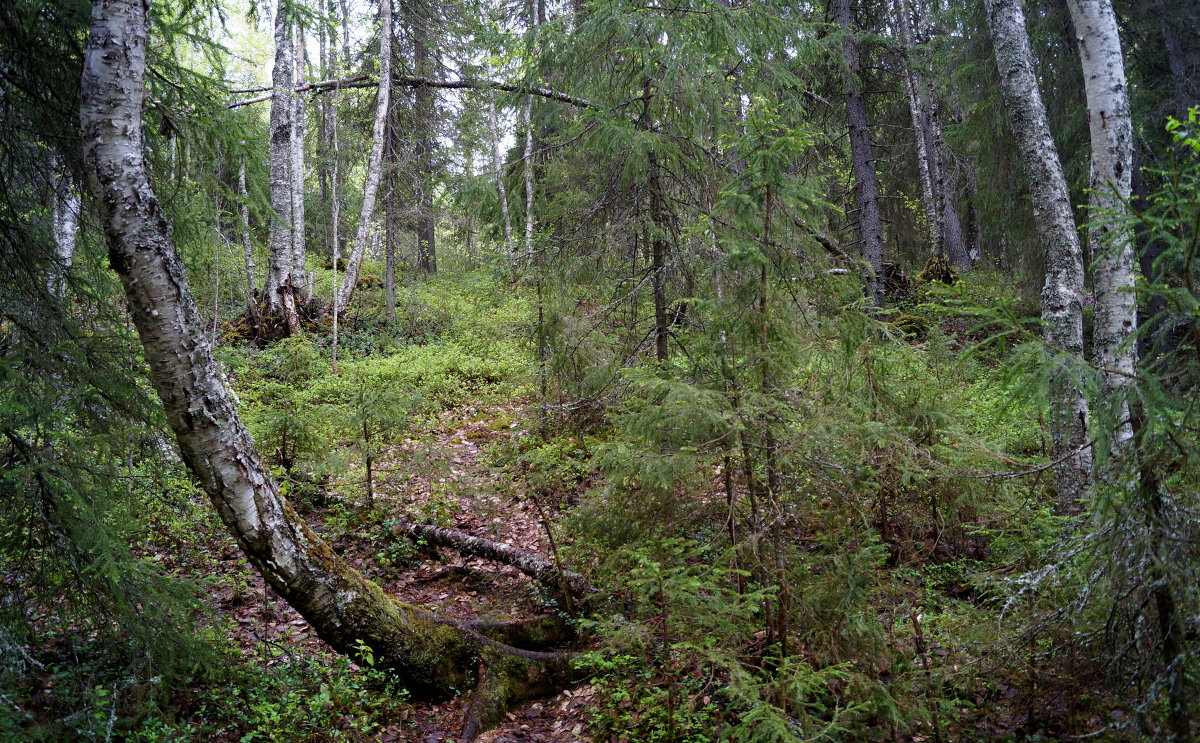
[1062, 292]
[358, 248]
[498, 167]
[1111, 131]
[433, 655]
[300, 280]
[527, 159]
[945, 230]
[64, 217]
[247, 251]
[280, 289]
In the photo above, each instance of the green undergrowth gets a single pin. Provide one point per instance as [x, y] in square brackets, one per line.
[277, 695]
[390, 383]
[865, 596]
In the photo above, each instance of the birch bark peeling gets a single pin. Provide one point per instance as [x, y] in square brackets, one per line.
[1112, 171]
[1062, 293]
[432, 656]
[371, 188]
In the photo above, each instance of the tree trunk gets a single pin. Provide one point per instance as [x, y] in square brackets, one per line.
[359, 249]
[299, 249]
[528, 160]
[946, 234]
[424, 100]
[434, 656]
[1112, 171]
[335, 195]
[658, 261]
[913, 86]
[389, 233]
[1062, 294]
[535, 566]
[866, 187]
[498, 166]
[65, 226]
[246, 246]
[278, 290]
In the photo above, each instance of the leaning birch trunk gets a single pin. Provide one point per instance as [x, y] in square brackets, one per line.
[279, 291]
[866, 186]
[1111, 128]
[498, 166]
[361, 237]
[433, 656]
[65, 226]
[1062, 294]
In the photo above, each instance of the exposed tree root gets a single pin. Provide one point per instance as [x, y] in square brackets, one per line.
[535, 566]
[535, 633]
[506, 680]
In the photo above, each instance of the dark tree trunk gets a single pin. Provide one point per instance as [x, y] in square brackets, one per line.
[866, 186]
[424, 99]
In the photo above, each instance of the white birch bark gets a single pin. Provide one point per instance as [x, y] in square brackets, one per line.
[279, 289]
[65, 227]
[335, 202]
[371, 188]
[1112, 170]
[300, 280]
[432, 656]
[528, 158]
[916, 109]
[498, 166]
[1062, 293]
[246, 247]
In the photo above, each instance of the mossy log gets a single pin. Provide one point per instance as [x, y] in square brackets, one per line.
[535, 566]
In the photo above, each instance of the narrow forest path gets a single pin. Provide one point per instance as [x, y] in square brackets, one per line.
[477, 499]
[438, 473]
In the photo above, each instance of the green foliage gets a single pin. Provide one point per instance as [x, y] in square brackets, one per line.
[690, 619]
[276, 696]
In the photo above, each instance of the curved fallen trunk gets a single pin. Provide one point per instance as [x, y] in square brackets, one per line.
[433, 657]
[534, 565]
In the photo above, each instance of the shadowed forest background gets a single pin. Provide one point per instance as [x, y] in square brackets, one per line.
[607, 370]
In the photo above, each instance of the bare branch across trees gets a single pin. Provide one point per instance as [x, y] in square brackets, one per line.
[368, 81]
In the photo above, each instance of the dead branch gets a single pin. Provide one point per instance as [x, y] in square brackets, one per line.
[535, 566]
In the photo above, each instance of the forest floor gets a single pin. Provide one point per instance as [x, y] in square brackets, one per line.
[446, 476]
